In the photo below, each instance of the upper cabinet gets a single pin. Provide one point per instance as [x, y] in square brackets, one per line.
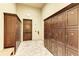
[62, 20]
[72, 17]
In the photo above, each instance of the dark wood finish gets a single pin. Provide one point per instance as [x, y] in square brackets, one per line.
[54, 47]
[27, 29]
[71, 52]
[60, 35]
[61, 31]
[72, 38]
[11, 30]
[18, 33]
[72, 17]
[61, 49]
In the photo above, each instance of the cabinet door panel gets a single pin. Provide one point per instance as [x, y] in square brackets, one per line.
[61, 35]
[54, 47]
[72, 38]
[62, 20]
[10, 30]
[49, 28]
[72, 17]
[61, 50]
[71, 52]
[50, 45]
[55, 34]
[54, 21]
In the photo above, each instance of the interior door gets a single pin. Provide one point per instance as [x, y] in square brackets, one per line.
[27, 29]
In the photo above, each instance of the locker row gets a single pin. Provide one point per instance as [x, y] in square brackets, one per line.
[61, 33]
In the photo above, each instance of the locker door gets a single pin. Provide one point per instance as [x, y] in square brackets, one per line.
[72, 38]
[52, 29]
[62, 20]
[61, 50]
[54, 47]
[71, 52]
[55, 21]
[61, 35]
[72, 17]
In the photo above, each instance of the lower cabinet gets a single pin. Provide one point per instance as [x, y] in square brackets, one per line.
[54, 47]
[61, 49]
[71, 52]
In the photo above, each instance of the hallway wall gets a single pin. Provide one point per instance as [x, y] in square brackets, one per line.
[51, 8]
[9, 8]
[27, 12]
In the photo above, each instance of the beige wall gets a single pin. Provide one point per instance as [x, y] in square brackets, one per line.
[27, 12]
[9, 8]
[51, 8]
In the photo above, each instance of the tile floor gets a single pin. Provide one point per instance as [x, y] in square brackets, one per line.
[32, 48]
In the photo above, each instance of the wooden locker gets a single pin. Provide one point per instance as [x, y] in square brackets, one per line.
[72, 38]
[54, 48]
[62, 20]
[72, 17]
[18, 32]
[49, 27]
[50, 45]
[61, 35]
[61, 49]
[54, 20]
[71, 52]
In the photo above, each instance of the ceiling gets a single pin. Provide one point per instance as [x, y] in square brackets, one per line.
[36, 5]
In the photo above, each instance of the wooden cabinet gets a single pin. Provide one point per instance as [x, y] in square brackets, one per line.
[62, 20]
[71, 52]
[54, 47]
[61, 35]
[18, 32]
[61, 49]
[72, 37]
[11, 30]
[72, 17]
[62, 32]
